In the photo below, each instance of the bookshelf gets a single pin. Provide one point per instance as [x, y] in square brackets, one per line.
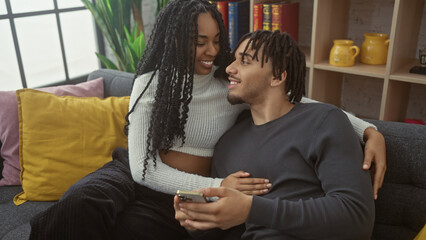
[329, 20]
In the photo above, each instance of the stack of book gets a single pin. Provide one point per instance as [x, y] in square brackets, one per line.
[236, 16]
[283, 16]
[267, 15]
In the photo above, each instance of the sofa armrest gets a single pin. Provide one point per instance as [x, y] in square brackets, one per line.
[405, 152]
[401, 205]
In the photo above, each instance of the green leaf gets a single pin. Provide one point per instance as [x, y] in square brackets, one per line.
[130, 65]
[132, 53]
[121, 51]
[160, 5]
[135, 31]
[113, 19]
[128, 36]
[105, 61]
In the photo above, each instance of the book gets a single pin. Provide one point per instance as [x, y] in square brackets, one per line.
[239, 22]
[285, 17]
[257, 16]
[267, 17]
[222, 6]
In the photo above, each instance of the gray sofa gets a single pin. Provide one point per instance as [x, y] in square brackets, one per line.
[400, 208]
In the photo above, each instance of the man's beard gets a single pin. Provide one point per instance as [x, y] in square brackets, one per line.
[233, 100]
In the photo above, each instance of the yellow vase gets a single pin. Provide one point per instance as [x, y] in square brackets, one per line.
[343, 53]
[374, 49]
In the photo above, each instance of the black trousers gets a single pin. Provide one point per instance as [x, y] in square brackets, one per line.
[108, 204]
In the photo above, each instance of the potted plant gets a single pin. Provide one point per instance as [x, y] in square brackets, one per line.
[127, 43]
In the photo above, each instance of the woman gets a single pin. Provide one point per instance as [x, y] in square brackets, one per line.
[186, 105]
[178, 110]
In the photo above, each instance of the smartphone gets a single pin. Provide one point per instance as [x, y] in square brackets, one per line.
[191, 196]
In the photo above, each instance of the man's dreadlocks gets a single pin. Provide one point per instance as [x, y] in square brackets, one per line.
[285, 55]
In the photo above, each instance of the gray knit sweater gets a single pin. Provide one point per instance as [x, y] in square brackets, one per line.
[314, 162]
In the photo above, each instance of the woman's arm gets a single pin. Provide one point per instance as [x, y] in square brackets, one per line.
[375, 151]
[162, 178]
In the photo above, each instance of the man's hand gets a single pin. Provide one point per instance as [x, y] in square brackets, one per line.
[232, 209]
[250, 186]
[375, 151]
[181, 216]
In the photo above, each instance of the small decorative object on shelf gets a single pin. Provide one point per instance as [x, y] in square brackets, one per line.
[422, 68]
[422, 56]
[374, 49]
[343, 53]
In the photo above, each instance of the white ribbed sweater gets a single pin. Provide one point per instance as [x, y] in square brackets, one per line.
[209, 116]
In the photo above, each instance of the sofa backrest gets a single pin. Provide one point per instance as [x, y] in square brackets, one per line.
[116, 83]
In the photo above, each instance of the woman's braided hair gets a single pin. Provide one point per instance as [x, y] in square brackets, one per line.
[170, 54]
[285, 55]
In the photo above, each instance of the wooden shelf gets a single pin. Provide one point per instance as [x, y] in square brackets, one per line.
[377, 71]
[330, 20]
[403, 74]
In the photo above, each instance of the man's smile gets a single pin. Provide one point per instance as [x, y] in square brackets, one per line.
[233, 82]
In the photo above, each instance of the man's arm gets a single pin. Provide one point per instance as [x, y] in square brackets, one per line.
[358, 124]
[347, 206]
[374, 151]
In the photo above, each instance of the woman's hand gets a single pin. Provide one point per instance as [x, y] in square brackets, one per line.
[250, 186]
[375, 151]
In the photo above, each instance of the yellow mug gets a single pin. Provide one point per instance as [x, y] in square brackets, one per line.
[343, 53]
[374, 49]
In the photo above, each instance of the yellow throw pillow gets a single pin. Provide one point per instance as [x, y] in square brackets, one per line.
[422, 234]
[62, 139]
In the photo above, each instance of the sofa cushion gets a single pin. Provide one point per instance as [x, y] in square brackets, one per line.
[1, 164]
[9, 123]
[14, 220]
[62, 139]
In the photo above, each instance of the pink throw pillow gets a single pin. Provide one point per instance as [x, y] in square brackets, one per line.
[9, 125]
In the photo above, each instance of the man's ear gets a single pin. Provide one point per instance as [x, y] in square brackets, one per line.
[278, 81]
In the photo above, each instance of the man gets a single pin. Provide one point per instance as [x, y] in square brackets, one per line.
[308, 151]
